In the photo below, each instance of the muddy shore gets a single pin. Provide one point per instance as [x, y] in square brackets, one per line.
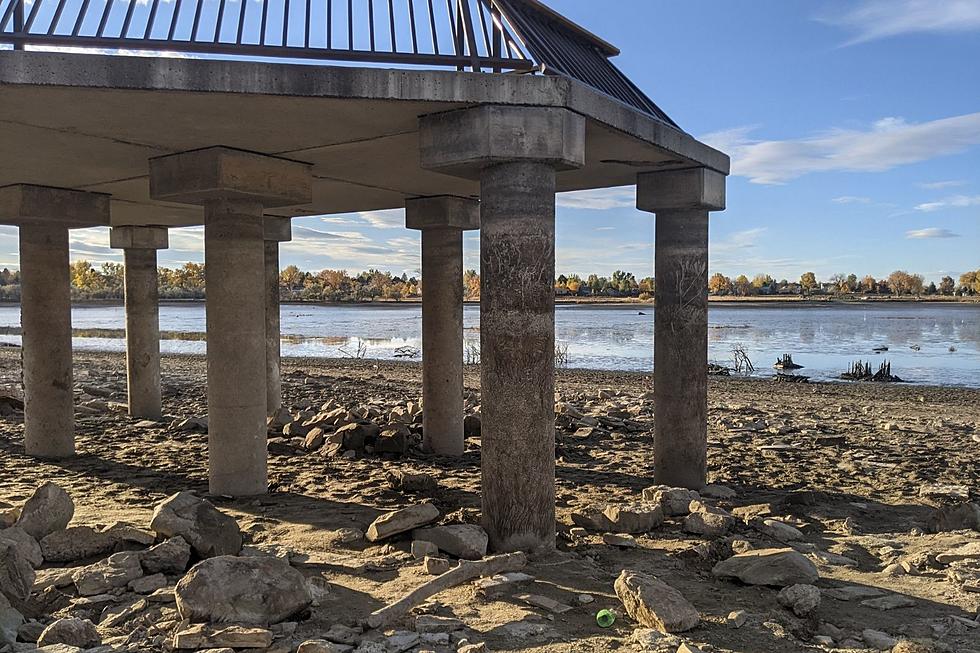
[853, 467]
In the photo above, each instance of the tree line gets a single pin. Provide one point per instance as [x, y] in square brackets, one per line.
[89, 282]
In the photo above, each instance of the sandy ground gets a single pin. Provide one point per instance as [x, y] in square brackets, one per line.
[844, 463]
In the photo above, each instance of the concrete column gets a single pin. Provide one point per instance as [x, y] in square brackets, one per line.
[681, 199]
[44, 216]
[276, 230]
[234, 187]
[139, 245]
[515, 153]
[442, 221]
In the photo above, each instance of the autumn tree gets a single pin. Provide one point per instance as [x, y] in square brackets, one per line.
[947, 286]
[869, 284]
[742, 285]
[808, 282]
[719, 284]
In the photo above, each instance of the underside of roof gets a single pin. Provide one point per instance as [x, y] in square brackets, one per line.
[493, 36]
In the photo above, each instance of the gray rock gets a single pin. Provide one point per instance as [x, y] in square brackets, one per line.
[878, 640]
[436, 566]
[430, 623]
[709, 521]
[27, 545]
[148, 584]
[803, 600]
[626, 519]
[890, 602]
[48, 510]
[73, 632]
[115, 571]
[968, 551]
[962, 516]
[421, 549]
[674, 500]
[401, 521]
[169, 557]
[466, 541]
[16, 574]
[320, 646]
[776, 567]
[655, 604]
[10, 620]
[209, 531]
[253, 590]
[76, 543]
[198, 636]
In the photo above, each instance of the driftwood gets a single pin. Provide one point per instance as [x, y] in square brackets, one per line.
[792, 378]
[861, 371]
[786, 363]
[466, 570]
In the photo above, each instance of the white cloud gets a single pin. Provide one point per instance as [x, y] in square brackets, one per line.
[600, 199]
[877, 19]
[889, 143]
[931, 232]
[851, 199]
[939, 185]
[956, 201]
[390, 219]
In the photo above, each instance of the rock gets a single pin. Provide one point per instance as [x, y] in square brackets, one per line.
[115, 571]
[73, 632]
[314, 439]
[355, 436]
[410, 482]
[545, 602]
[622, 541]
[422, 549]
[205, 635]
[168, 557]
[148, 584]
[962, 516]
[48, 510]
[392, 441]
[436, 566]
[29, 631]
[124, 533]
[776, 567]
[630, 518]
[16, 574]
[341, 634]
[319, 646]
[890, 602]
[878, 640]
[481, 647]
[968, 551]
[718, 492]
[778, 530]
[471, 426]
[60, 648]
[737, 618]
[401, 521]
[76, 543]
[918, 646]
[429, 623]
[10, 621]
[467, 541]
[27, 545]
[655, 604]
[675, 501]
[116, 615]
[209, 531]
[253, 590]
[708, 520]
[947, 493]
[803, 600]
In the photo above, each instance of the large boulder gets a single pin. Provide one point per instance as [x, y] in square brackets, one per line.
[467, 541]
[620, 518]
[76, 543]
[16, 573]
[402, 521]
[209, 531]
[10, 621]
[676, 501]
[168, 557]
[48, 510]
[776, 567]
[803, 600]
[707, 520]
[959, 517]
[655, 604]
[73, 632]
[27, 545]
[115, 571]
[252, 590]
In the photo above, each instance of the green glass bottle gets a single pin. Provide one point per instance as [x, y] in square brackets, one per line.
[605, 618]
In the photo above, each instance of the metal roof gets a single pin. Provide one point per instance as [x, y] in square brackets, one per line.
[494, 36]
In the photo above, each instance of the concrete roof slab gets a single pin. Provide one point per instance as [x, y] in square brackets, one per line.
[25, 203]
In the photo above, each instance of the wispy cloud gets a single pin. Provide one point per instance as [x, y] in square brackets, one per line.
[601, 199]
[954, 202]
[851, 199]
[391, 219]
[939, 185]
[931, 232]
[870, 20]
[888, 143]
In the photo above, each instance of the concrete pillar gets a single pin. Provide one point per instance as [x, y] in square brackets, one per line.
[277, 230]
[515, 153]
[44, 216]
[442, 221]
[681, 199]
[140, 245]
[234, 187]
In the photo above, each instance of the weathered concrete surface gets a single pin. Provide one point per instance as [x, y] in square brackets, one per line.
[358, 126]
[276, 230]
[44, 216]
[139, 246]
[234, 252]
[681, 200]
[442, 220]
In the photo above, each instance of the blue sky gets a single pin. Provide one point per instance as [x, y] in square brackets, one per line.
[854, 129]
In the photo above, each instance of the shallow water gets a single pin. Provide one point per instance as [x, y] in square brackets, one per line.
[822, 338]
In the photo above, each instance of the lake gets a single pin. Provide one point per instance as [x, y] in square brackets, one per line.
[823, 338]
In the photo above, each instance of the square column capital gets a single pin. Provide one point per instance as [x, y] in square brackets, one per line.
[26, 204]
[465, 141]
[222, 174]
[442, 211]
[277, 229]
[134, 237]
[692, 188]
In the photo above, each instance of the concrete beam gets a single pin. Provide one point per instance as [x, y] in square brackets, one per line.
[132, 237]
[693, 188]
[443, 211]
[442, 221]
[277, 229]
[75, 209]
[466, 141]
[217, 174]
